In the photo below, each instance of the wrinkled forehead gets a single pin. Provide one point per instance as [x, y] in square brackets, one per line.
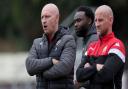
[79, 14]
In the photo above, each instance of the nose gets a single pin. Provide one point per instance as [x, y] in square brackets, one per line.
[97, 23]
[43, 21]
[76, 24]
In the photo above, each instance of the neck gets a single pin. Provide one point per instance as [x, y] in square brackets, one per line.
[51, 36]
[108, 31]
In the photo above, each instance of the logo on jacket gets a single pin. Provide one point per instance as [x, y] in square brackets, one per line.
[105, 48]
[86, 53]
[117, 44]
[91, 48]
[41, 43]
[58, 42]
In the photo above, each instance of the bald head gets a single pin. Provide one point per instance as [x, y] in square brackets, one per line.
[106, 10]
[50, 18]
[51, 8]
[103, 20]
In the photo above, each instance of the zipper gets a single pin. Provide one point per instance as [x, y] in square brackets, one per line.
[99, 46]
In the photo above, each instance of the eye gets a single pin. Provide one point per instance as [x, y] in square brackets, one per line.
[78, 20]
[100, 20]
[42, 17]
[45, 16]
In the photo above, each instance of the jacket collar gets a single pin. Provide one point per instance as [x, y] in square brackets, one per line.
[59, 33]
[107, 37]
[91, 30]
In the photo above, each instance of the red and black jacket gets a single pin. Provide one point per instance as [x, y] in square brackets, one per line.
[110, 52]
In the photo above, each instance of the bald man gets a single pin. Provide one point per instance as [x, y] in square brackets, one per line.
[51, 57]
[104, 60]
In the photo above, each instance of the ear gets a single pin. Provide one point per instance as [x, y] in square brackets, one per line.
[57, 18]
[89, 21]
[111, 20]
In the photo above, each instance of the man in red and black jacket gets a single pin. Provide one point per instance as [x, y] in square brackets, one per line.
[104, 60]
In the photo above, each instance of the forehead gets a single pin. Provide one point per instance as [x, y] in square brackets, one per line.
[46, 12]
[100, 15]
[79, 14]
[49, 9]
[101, 12]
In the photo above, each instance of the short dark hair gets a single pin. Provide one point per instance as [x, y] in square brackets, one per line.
[88, 12]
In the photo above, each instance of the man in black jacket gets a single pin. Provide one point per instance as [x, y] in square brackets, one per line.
[51, 58]
[86, 33]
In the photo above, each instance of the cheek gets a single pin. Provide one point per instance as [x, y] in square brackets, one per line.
[102, 25]
[105, 25]
[42, 22]
[81, 24]
[78, 24]
[50, 23]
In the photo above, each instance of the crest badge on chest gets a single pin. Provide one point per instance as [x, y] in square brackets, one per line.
[104, 49]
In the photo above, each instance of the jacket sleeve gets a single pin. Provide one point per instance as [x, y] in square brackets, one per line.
[112, 65]
[84, 74]
[35, 65]
[66, 63]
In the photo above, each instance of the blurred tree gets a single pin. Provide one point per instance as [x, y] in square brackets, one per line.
[20, 19]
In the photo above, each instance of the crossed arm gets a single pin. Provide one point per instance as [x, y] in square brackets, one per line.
[100, 73]
[50, 67]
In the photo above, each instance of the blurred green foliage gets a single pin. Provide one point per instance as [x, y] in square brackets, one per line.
[20, 19]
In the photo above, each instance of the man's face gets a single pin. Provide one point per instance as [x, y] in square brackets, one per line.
[102, 23]
[81, 23]
[49, 21]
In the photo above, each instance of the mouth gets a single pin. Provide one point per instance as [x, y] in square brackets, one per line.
[98, 32]
[77, 28]
[45, 27]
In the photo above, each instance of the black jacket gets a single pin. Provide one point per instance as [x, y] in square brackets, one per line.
[103, 79]
[39, 61]
[83, 43]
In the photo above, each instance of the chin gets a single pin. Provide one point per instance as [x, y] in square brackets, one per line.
[98, 33]
[45, 32]
[79, 35]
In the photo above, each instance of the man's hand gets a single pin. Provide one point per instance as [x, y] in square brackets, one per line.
[99, 66]
[54, 61]
[76, 84]
[87, 65]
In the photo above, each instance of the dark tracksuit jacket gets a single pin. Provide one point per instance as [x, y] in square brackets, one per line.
[82, 45]
[110, 52]
[39, 61]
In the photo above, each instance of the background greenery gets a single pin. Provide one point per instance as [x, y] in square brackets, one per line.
[20, 20]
